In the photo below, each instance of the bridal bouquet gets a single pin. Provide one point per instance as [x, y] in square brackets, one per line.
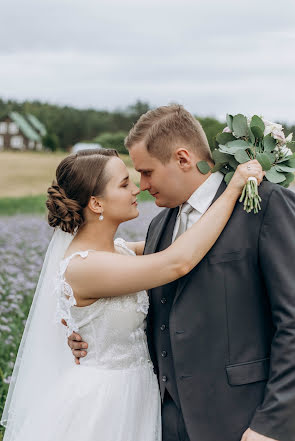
[253, 138]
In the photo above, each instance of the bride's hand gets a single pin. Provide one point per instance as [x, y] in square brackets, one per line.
[243, 172]
[76, 344]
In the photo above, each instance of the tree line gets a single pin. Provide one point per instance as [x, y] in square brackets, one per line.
[67, 125]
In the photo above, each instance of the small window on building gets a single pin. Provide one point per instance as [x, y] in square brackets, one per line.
[3, 127]
[1, 142]
[39, 146]
[31, 144]
[16, 142]
[13, 129]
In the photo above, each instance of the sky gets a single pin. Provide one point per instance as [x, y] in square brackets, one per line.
[214, 57]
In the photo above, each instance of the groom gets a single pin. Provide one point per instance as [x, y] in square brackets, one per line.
[222, 338]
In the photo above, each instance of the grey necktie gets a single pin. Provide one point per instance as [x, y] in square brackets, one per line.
[186, 209]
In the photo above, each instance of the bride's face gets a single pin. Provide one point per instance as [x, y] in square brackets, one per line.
[119, 200]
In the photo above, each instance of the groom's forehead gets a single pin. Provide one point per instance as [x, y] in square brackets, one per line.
[141, 158]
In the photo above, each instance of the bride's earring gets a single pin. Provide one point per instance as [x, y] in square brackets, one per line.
[101, 217]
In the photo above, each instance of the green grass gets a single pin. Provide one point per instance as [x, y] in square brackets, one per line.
[22, 205]
[36, 204]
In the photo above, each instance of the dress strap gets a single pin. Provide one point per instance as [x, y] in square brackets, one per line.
[122, 243]
[65, 262]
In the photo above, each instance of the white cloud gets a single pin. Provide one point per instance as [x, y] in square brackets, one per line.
[213, 57]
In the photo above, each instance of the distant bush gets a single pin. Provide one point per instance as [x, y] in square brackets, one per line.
[211, 127]
[51, 141]
[112, 141]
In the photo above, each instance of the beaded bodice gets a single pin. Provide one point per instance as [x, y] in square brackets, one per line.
[113, 327]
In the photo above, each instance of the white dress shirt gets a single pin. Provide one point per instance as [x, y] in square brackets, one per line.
[200, 200]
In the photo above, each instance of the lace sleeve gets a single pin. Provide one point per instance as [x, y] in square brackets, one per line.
[65, 295]
[122, 243]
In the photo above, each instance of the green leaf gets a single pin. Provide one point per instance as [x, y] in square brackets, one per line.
[290, 162]
[238, 143]
[223, 138]
[203, 167]
[218, 156]
[289, 178]
[233, 162]
[284, 168]
[251, 137]
[229, 121]
[241, 156]
[256, 121]
[217, 167]
[228, 151]
[286, 159]
[257, 132]
[240, 125]
[264, 161]
[273, 176]
[269, 143]
[228, 177]
[271, 157]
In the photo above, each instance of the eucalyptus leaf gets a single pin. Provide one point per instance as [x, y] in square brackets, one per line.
[241, 156]
[223, 138]
[218, 156]
[203, 167]
[286, 159]
[264, 161]
[269, 143]
[228, 177]
[284, 168]
[233, 162]
[271, 157]
[290, 163]
[217, 167]
[251, 136]
[229, 121]
[238, 143]
[228, 151]
[257, 132]
[256, 121]
[273, 176]
[240, 126]
[289, 178]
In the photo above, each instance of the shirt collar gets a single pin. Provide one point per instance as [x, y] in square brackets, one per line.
[204, 195]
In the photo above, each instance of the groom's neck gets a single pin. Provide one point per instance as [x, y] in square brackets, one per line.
[193, 183]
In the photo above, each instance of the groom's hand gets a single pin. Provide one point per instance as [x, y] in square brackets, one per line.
[250, 435]
[77, 345]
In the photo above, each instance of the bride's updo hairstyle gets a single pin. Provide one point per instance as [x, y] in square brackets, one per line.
[78, 177]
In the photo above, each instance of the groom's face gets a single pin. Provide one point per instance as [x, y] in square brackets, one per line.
[162, 181]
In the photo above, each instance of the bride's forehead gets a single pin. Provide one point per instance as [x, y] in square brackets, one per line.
[117, 168]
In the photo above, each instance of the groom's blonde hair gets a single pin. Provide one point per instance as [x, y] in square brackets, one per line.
[165, 128]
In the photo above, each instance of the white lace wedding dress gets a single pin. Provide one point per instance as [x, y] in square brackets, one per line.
[113, 394]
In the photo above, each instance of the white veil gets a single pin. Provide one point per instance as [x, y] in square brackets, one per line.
[43, 352]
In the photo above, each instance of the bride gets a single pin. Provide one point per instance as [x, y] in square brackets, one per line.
[97, 286]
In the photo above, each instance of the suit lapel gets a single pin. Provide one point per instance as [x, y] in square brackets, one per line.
[155, 236]
[183, 281]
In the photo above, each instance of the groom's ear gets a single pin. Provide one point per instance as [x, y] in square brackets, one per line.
[184, 157]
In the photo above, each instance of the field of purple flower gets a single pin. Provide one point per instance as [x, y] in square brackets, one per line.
[23, 243]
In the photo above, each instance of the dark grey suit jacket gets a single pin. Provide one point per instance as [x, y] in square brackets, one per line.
[232, 325]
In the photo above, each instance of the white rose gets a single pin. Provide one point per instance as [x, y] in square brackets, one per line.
[285, 151]
[279, 135]
[289, 137]
[226, 130]
[270, 127]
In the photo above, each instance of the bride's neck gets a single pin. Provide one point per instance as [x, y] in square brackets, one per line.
[98, 235]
